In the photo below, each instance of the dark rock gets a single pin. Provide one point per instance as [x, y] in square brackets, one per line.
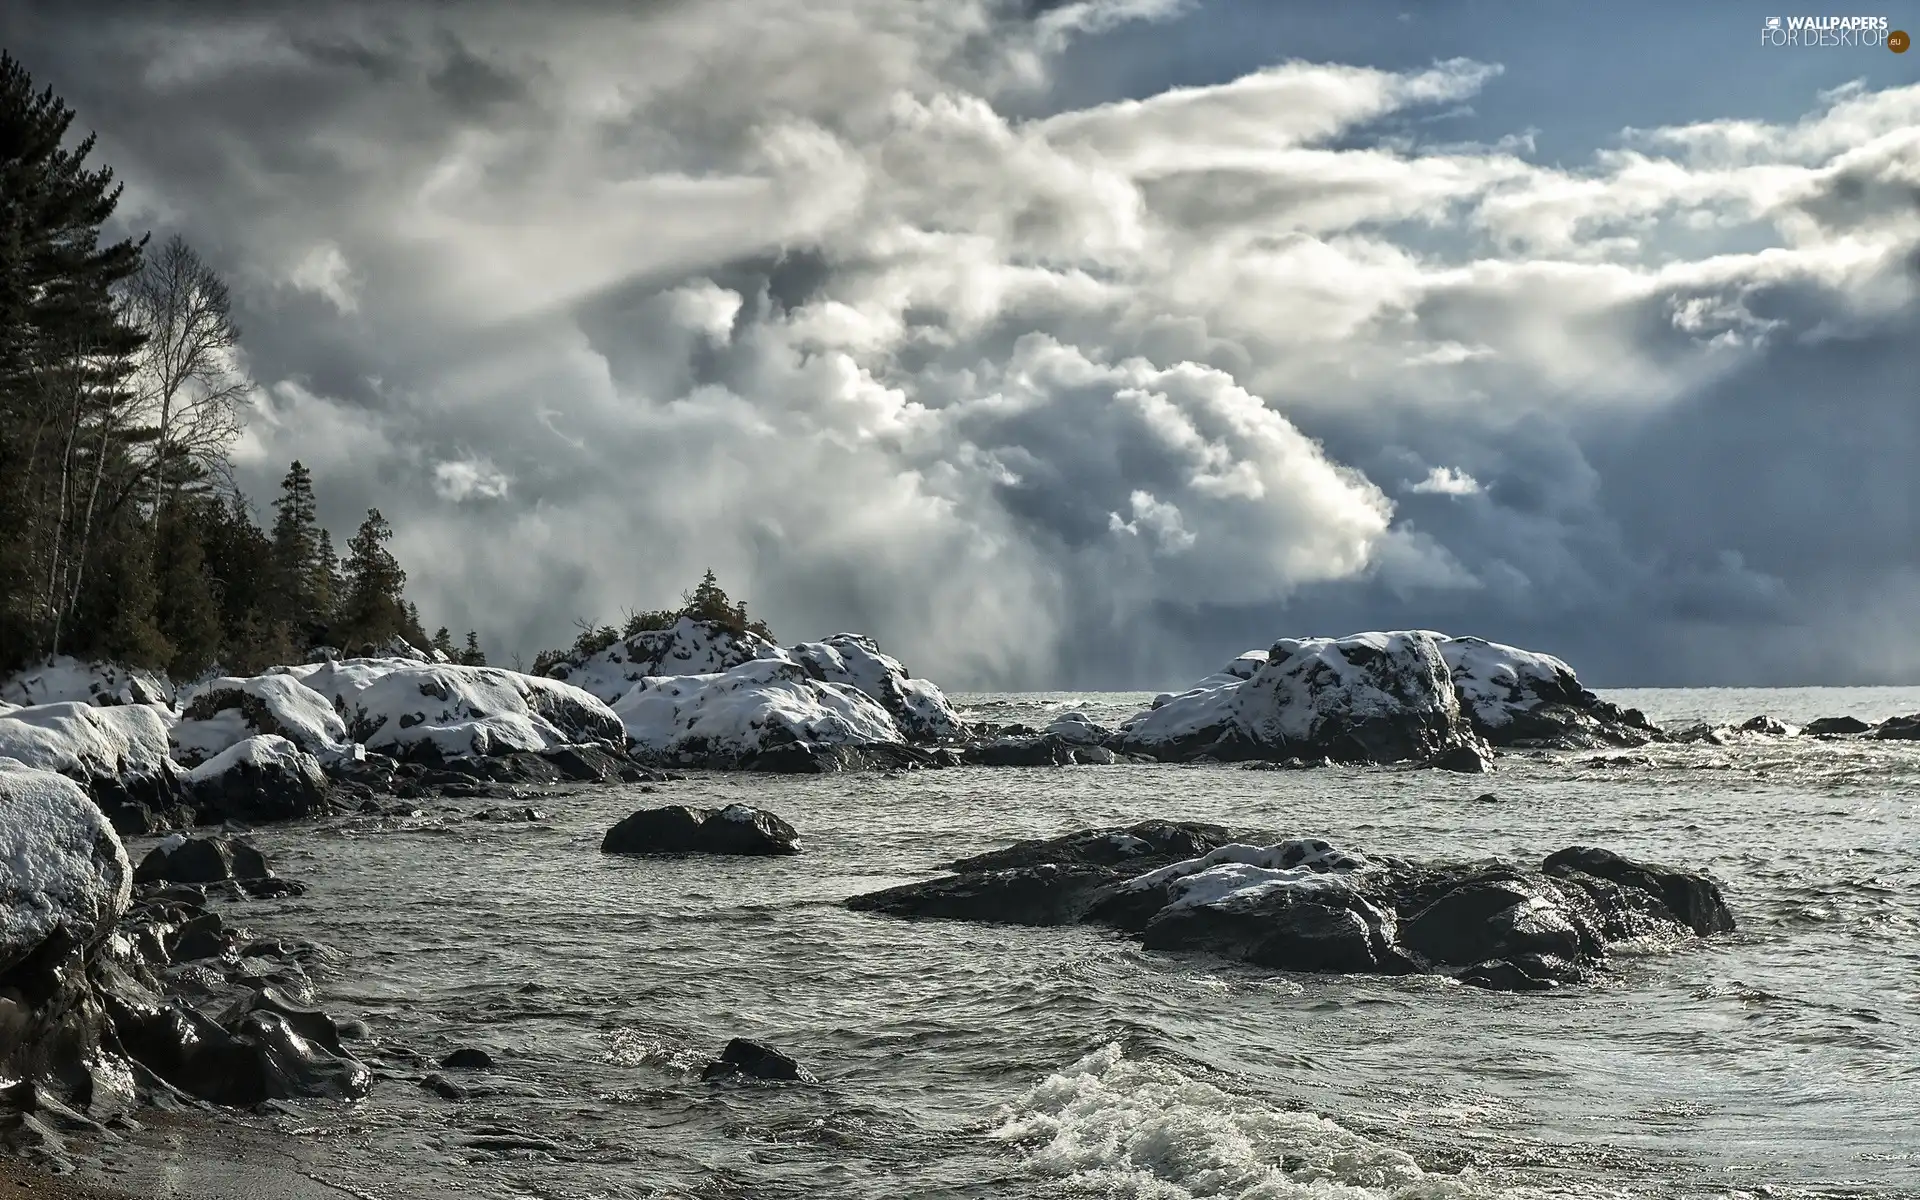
[1465, 758]
[205, 936]
[1487, 798]
[584, 764]
[1302, 905]
[1044, 894]
[1905, 729]
[1766, 725]
[756, 1060]
[509, 814]
[809, 758]
[1831, 726]
[203, 860]
[444, 1088]
[468, 1058]
[680, 829]
[1693, 899]
[276, 789]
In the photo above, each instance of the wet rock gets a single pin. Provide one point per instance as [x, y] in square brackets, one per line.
[181, 859]
[755, 1060]
[1693, 899]
[1905, 729]
[444, 1088]
[584, 764]
[811, 758]
[680, 829]
[265, 778]
[1305, 905]
[521, 813]
[1835, 726]
[1766, 725]
[1487, 798]
[262, 1056]
[205, 936]
[1465, 759]
[468, 1058]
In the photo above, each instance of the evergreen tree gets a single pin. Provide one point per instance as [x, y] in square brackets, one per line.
[473, 656]
[329, 586]
[186, 609]
[66, 417]
[374, 610]
[443, 642]
[296, 556]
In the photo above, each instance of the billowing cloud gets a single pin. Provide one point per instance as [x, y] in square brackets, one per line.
[832, 299]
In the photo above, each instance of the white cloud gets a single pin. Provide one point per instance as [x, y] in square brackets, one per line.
[460, 480]
[324, 272]
[1446, 481]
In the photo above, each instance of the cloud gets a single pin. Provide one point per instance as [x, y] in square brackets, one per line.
[470, 479]
[833, 299]
[1445, 481]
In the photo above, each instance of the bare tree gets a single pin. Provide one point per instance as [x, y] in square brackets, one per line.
[190, 388]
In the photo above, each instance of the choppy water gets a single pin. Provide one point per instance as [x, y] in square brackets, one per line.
[971, 1061]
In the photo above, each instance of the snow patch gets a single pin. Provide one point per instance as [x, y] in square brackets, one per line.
[66, 678]
[399, 705]
[227, 711]
[755, 706]
[267, 752]
[65, 868]
[85, 742]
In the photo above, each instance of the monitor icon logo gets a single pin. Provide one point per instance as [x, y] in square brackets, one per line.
[1773, 23]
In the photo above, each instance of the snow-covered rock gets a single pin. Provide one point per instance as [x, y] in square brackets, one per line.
[1522, 697]
[689, 648]
[694, 648]
[1077, 729]
[724, 717]
[440, 710]
[917, 706]
[222, 713]
[1371, 697]
[70, 679]
[65, 868]
[265, 778]
[117, 753]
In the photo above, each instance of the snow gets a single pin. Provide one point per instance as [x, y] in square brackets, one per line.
[84, 742]
[1497, 681]
[292, 710]
[398, 704]
[754, 706]
[1240, 873]
[703, 649]
[267, 752]
[690, 647]
[918, 707]
[64, 865]
[70, 679]
[1078, 729]
[1302, 684]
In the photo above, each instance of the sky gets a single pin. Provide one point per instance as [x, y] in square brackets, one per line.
[1068, 344]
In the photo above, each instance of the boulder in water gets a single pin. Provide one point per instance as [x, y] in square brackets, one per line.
[681, 829]
[754, 1060]
[265, 778]
[181, 859]
[1835, 726]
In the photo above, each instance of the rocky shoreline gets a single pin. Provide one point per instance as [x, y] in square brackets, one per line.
[131, 988]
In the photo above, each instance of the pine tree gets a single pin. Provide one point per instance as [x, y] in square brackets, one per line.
[443, 642]
[296, 556]
[66, 417]
[186, 609]
[374, 610]
[329, 586]
[473, 656]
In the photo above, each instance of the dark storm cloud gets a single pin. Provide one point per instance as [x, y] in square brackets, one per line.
[590, 297]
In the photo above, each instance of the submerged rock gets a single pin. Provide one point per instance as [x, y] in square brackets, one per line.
[680, 829]
[1305, 905]
[755, 1060]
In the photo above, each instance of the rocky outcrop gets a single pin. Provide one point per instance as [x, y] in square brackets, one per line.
[1523, 698]
[1370, 698]
[265, 778]
[119, 754]
[222, 713]
[67, 679]
[181, 859]
[734, 717]
[1305, 905]
[754, 1060]
[430, 711]
[88, 1013]
[1901, 729]
[681, 829]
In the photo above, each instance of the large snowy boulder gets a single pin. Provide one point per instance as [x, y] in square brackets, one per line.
[727, 718]
[703, 648]
[265, 778]
[690, 647]
[412, 709]
[1372, 697]
[1518, 697]
[221, 713]
[66, 678]
[119, 754]
[66, 872]
[917, 706]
